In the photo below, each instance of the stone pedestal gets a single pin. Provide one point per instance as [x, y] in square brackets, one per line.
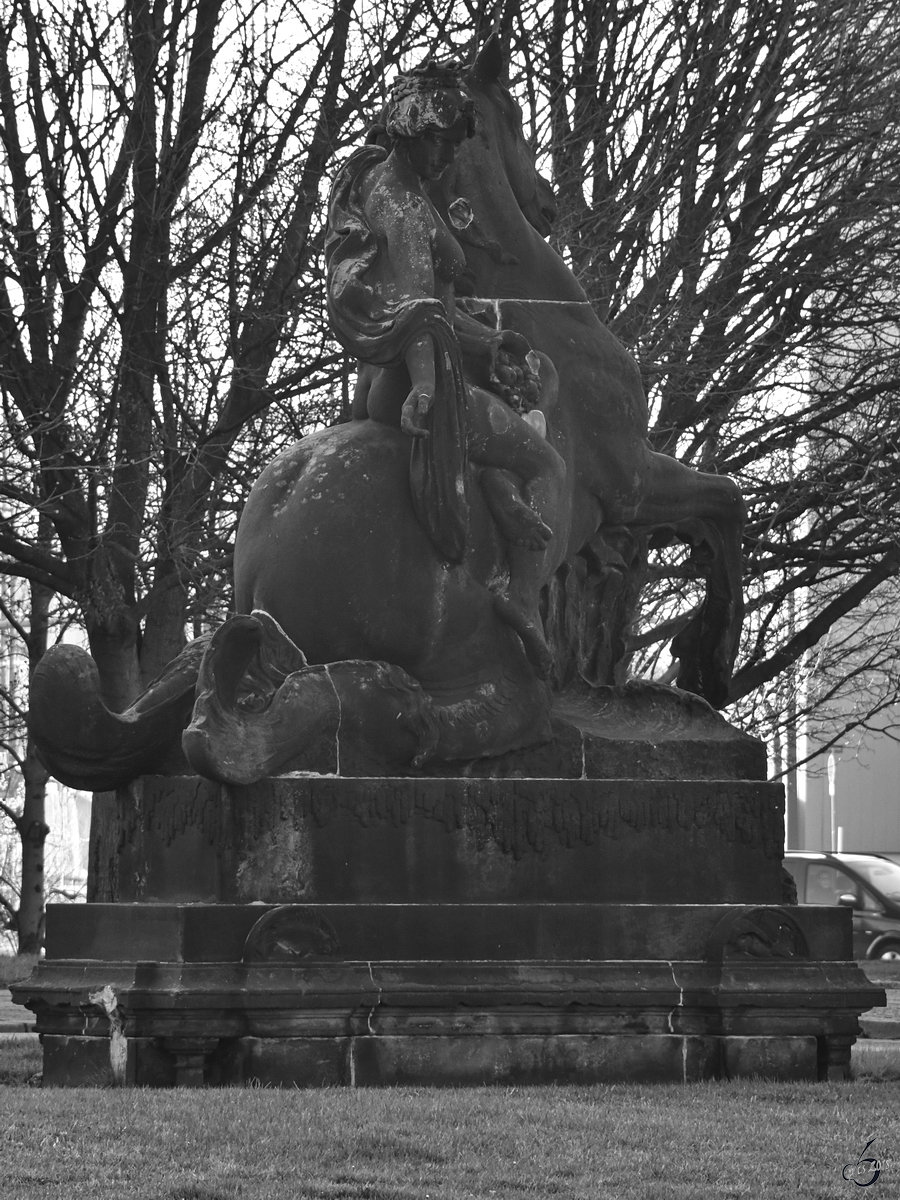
[314, 994]
[571, 926]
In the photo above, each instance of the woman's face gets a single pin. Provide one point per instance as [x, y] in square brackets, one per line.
[432, 152]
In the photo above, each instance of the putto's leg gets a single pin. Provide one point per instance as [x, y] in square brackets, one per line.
[510, 450]
[518, 523]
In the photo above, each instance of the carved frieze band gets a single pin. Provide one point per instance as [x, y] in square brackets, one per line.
[519, 816]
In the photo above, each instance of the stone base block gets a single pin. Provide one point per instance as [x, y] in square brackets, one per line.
[71, 1061]
[523, 1060]
[782, 1058]
[303, 839]
[444, 1060]
[467, 1061]
[308, 995]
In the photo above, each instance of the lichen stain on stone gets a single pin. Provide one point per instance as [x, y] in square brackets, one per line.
[170, 815]
[108, 1002]
[278, 866]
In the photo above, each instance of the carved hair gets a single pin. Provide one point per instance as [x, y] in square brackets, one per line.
[430, 97]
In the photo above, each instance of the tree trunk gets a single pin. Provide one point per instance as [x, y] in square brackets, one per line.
[116, 654]
[33, 830]
[32, 825]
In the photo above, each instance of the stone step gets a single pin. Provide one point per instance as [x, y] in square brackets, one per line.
[489, 932]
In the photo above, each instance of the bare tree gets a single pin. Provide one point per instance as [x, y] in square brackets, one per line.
[25, 618]
[161, 189]
[726, 177]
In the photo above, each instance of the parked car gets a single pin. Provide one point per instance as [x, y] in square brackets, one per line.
[867, 883]
[893, 855]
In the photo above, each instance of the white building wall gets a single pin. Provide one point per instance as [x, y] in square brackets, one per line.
[866, 787]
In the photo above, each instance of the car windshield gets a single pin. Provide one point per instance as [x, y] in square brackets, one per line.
[880, 873]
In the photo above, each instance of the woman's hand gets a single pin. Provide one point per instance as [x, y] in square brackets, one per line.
[416, 407]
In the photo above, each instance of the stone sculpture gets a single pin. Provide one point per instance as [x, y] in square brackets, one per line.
[388, 571]
[607, 903]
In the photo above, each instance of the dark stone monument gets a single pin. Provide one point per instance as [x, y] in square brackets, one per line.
[400, 819]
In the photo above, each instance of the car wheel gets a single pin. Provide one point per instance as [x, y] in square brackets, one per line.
[888, 952]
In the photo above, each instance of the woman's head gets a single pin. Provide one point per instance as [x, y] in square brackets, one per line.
[430, 100]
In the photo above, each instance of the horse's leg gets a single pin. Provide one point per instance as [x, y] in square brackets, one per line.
[707, 511]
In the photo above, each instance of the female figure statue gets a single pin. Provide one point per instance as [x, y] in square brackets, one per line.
[429, 367]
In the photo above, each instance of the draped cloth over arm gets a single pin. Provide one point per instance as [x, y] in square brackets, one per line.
[378, 332]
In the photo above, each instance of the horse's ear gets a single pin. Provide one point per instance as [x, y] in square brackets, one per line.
[490, 65]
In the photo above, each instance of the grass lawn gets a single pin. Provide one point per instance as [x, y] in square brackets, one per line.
[20, 1060]
[662, 1142]
[15, 966]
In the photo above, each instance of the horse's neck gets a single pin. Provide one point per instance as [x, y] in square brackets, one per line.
[527, 269]
[505, 254]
